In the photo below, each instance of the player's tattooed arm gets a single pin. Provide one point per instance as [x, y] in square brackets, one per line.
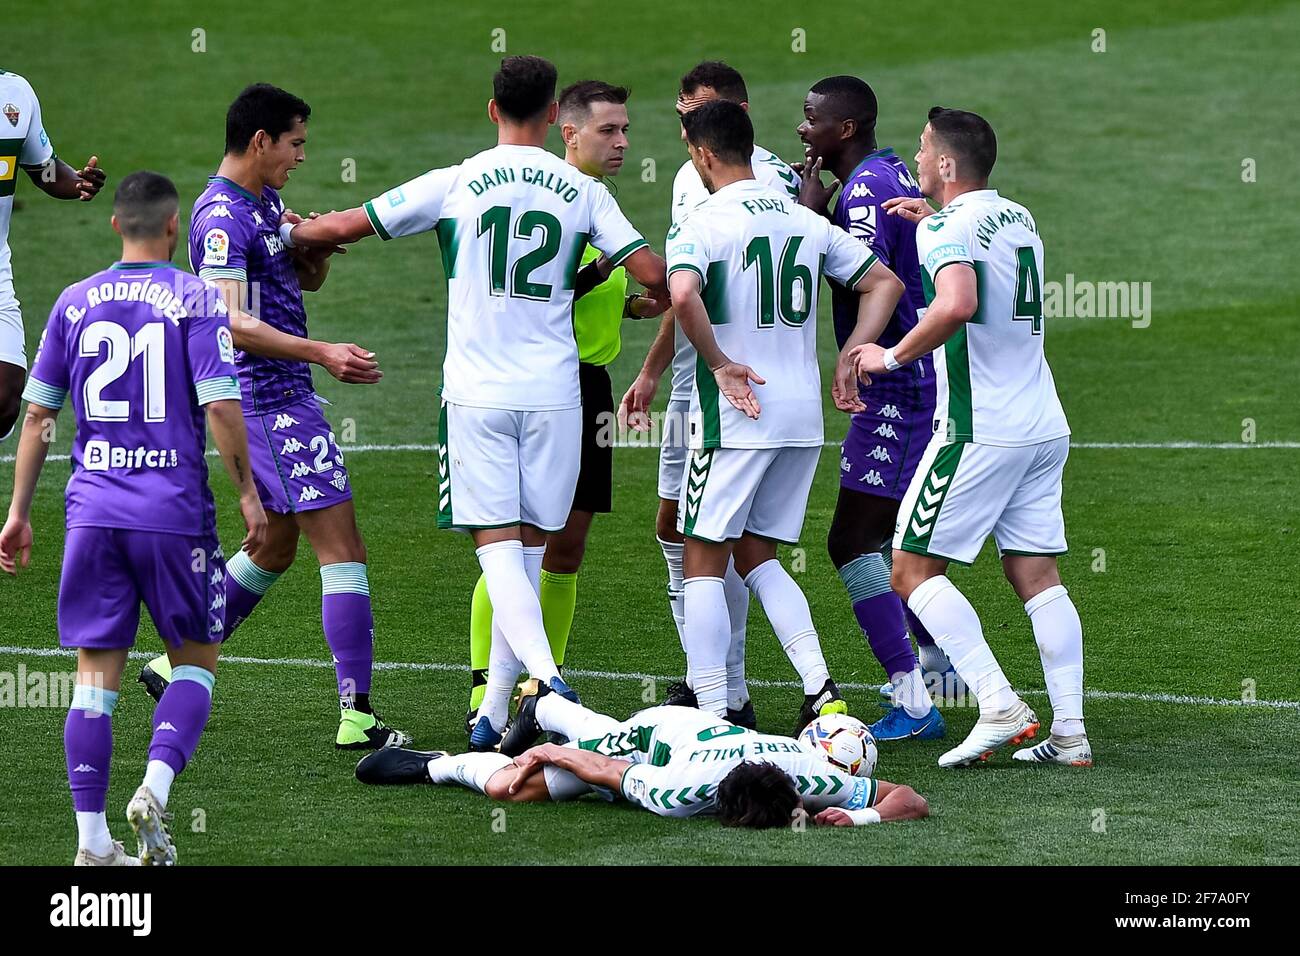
[346, 361]
[634, 409]
[56, 178]
[587, 765]
[879, 291]
[33, 446]
[226, 420]
[733, 378]
[956, 299]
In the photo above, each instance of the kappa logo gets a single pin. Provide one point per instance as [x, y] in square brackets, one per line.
[217, 577]
[218, 601]
[300, 470]
[12, 114]
[218, 626]
[283, 421]
[220, 212]
[844, 464]
[310, 494]
[927, 504]
[221, 197]
[84, 768]
[257, 217]
[861, 191]
[890, 411]
[339, 481]
[166, 725]
[881, 453]
[291, 445]
[872, 477]
[885, 430]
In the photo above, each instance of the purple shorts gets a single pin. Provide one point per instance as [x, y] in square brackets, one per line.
[296, 464]
[108, 572]
[885, 443]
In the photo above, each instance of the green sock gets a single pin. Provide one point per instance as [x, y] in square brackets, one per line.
[480, 642]
[559, 597]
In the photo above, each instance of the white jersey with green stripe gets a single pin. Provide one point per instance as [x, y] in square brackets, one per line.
[993, 384]
[679, 756]
[512, 223]
[760, 257]
[23, 144]
[688, 193]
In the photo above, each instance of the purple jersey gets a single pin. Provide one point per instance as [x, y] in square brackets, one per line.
[235, 235]
[141, 348]
[879, 177]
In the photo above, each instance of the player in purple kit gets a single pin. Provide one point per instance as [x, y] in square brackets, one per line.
[144, 351]
[297, 466]
[884, 443]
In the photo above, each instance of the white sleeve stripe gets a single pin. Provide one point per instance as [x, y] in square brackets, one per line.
[39, 393]
[215, 273]
[221, 388]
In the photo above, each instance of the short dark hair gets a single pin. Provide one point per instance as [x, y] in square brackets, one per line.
[262, 106]
[758, 796]
[717, 76]
[725, 128]
[524, 87]
[576, 99]
[143, 203]
[969, 136]
[850, 98]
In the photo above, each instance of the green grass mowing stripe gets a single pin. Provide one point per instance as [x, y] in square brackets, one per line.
[1137, 697]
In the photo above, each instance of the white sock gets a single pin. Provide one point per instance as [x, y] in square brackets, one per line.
[92, 832]
[515, 606]
[503, 670]
[1059, 634]
[911, 694]
[468, 770]
[947, 615]
[738, 612]
[158, 777]
[708, 635]
[676, 600]
[533, 565]
[564, 717]
[787, 609]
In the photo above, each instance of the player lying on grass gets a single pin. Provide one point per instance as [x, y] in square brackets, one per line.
[672, 761]
[143, 352]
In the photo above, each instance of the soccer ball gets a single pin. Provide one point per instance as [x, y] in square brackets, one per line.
[844, 741]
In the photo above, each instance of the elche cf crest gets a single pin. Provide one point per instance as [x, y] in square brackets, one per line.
[12, 114]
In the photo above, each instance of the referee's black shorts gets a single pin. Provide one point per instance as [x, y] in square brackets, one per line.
[596, 474]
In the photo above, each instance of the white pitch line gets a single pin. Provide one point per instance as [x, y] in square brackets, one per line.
[1087, 445]
[1146, 698]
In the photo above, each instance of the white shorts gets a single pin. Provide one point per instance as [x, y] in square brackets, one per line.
[500, 467]
[13, 345]
[673, 450]
[760, 491]
[962, 492]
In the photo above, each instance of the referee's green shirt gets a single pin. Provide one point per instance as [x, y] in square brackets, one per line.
[598, 315]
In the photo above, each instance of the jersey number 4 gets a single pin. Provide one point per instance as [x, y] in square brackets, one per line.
[495, 223]
[793, 280]
[123, 349]
[1029, 291]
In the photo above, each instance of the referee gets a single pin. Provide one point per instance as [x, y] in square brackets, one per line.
[593, 123]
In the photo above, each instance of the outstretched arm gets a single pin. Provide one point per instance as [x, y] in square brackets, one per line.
[879, 291]
[56, 178]
[331, 229]
[894, 802]
[587, 765]
[956, 299]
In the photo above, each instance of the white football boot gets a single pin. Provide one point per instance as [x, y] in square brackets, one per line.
[149, 821]
[117, 858]
[1073, 751]
[990, 732]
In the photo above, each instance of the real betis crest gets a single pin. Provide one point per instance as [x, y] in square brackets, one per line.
[12, 114]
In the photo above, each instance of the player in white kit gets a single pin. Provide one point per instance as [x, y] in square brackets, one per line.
[1001, 439]
[744, 271]
[25, 145]
[512, 223]
[673, 761]
[705, 83]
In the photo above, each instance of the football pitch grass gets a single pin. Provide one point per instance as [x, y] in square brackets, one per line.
[1182, 559]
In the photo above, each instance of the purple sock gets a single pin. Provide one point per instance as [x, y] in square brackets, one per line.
[246, 583]
[923, 638]
[349, 625]
[879, 612]
[181, 715]
[88, 743]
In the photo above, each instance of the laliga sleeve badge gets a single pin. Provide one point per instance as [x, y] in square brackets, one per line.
[216, 247]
